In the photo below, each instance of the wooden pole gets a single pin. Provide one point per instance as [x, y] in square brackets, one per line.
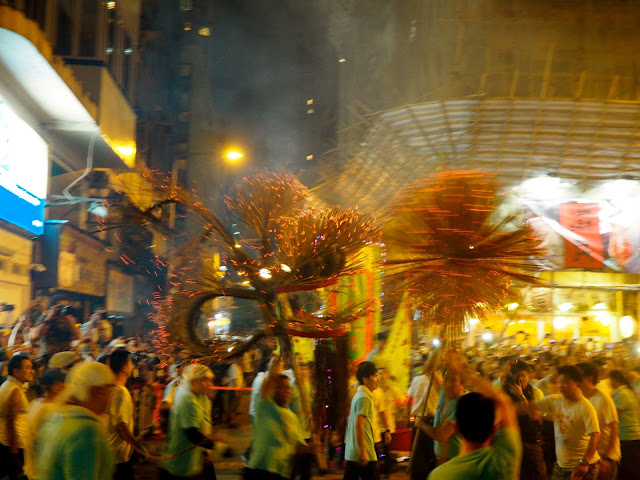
[424, 408]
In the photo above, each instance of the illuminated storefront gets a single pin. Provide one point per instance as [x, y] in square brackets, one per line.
[23, 189]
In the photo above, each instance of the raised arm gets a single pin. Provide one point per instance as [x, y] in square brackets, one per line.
[268, 387]
[505, 411]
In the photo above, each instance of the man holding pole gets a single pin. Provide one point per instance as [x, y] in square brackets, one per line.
[429, 383]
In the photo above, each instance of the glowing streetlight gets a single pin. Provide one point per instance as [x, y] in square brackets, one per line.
[233, 156]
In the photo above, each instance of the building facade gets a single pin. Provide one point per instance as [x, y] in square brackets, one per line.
[67, 80]
[542, 94]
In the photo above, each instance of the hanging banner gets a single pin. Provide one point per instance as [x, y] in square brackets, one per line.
[303, 346]
[585, 250]
[592, 233]
[396, 355]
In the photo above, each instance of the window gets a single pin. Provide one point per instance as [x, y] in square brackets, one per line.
[186, 5]
[36, 10]
[89, 25]
[56, 169]
[128, 60]
[63, 34]
[111, 38]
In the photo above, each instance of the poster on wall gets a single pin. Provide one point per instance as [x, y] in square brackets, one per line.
[120, 292]
[24, 172]
[596, 230]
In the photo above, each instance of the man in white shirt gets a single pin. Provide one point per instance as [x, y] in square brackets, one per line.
[576, 427]
[609, 445]
[231, 398]
[424, 459]
[13, 416]
[120, 426]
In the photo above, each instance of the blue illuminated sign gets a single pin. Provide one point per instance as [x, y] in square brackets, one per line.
[24, 171]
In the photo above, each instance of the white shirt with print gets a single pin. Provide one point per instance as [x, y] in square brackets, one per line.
[573, 423]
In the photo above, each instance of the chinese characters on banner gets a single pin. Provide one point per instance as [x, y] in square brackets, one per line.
[585, 249]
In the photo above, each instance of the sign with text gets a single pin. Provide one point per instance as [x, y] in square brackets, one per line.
[584, 249]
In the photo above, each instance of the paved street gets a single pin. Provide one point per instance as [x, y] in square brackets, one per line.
[227, 469]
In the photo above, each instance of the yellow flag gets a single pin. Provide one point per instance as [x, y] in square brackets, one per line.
[396, 354]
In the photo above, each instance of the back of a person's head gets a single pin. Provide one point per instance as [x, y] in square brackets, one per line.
[196, 371]
[619, 377]
[103, 358]
[51, 376]
[365, 370]
[572, 372]
[264, 363]
[119, 359]
[85, 375]
[475, 416]
[521, 366]
[56, 299]
[589, 370]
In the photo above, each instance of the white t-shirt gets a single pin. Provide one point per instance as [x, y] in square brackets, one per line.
[573, 423]
[120, 410]
[607, 414]
[235, 375]
[418, 390]
[255, 392]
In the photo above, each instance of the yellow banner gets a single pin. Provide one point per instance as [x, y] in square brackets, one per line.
[303, 346]
[396, 354]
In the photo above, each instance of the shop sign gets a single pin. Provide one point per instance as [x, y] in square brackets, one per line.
[24, 172]
[120, 292]
[583, 250]
[594, 231]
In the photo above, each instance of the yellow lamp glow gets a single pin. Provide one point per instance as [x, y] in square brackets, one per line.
[513, 306]
[603, 317]
[560, 323]
[233, 155]
[565, 307]
[627, 326]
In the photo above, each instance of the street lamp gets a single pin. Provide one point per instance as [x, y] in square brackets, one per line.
[232, 155]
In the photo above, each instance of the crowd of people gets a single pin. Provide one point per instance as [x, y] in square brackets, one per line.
[77, 403]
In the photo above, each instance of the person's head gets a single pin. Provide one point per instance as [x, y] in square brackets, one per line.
[20, 367]
[475, 416]
[569, 380]
[120, 362]
[52, 381]
[522, 373]
[367, 375]
[59, 300]
[505, 364]
[618, 379]
[64, 360]
[589, 374]
[103, 358]
[90, 385]
[263, 366]
[200, 377]
[603, 368]
[453, 386]
[283, 393]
